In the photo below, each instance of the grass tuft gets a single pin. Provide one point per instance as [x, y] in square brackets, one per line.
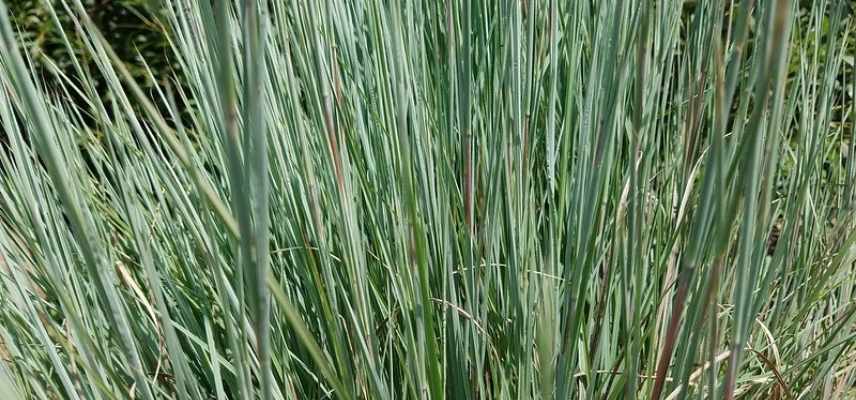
[474, 199]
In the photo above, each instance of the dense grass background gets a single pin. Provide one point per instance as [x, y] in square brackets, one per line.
[133, 26]
[434, 199]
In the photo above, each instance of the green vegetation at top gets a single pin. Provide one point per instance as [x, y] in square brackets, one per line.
[131, 26]
[478, 199]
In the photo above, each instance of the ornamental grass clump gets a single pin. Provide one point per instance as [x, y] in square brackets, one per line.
[477, 199]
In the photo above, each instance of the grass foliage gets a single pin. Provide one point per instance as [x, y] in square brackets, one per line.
[471, 199]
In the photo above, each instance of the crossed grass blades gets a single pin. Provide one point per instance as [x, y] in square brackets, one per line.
[472, 199]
